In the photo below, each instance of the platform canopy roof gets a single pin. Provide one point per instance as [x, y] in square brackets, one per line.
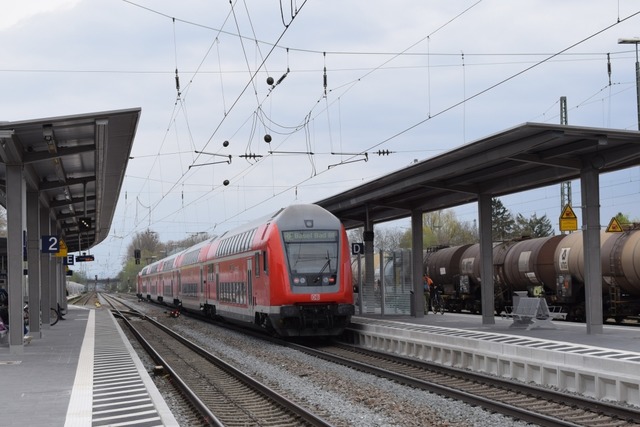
[522, 158]
[77, 165]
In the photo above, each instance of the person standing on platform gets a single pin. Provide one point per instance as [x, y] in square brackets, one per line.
[427, 283]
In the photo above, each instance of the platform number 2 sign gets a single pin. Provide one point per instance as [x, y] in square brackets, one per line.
[50, 244]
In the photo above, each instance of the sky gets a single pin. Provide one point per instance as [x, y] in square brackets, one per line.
[415, 77]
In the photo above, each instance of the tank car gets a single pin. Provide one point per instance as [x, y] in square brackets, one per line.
[620, 263]
[443, 267]
[288, 273]
[550, 267]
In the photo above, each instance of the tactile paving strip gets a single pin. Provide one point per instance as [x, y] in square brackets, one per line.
[120, 396]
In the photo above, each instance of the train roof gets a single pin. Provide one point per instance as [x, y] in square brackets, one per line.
[293, 216]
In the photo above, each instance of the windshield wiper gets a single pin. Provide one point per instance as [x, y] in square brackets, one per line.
[326, 264]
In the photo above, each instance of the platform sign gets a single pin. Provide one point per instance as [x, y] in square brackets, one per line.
[357, 248]
[50, 244]
[614, 226]
[568, 219]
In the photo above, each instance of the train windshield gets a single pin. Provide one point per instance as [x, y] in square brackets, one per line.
[312, 256]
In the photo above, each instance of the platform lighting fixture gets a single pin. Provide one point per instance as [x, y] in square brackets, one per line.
[84, 223]
[49, 138]
[635, 41]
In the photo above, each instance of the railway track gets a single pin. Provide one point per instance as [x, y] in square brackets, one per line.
[87, 298]
[517, 400]
[527, 403]
[221, 393]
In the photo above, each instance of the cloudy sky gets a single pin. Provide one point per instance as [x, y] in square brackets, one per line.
[416, 78]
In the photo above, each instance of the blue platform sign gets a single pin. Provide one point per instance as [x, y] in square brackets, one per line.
[50, 244]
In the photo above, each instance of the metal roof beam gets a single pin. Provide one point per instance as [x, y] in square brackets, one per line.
[539, 160]
[41, 156]
[51, 185]
[73, 201]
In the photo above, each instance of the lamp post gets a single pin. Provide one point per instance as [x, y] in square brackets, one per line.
[635, 41]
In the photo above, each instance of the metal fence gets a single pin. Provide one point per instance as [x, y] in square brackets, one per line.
[391, 291]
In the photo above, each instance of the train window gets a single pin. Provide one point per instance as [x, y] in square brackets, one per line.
[257, 263]
[264, 262]
[247, 240]
[243, 242]
[252, 234]
[312, 252]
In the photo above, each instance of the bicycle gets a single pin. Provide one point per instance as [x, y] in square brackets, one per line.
[437, 302]
[54, 315]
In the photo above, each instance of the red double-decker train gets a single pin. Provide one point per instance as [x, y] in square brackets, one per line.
[288, 273]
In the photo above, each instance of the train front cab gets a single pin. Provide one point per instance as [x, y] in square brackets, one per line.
[316, 295]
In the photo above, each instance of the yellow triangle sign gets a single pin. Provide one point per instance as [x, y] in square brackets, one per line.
[568, 213]
[568, 219]
[614, 226]
[62, 252]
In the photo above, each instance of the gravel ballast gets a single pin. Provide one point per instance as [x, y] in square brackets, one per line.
[342, 396]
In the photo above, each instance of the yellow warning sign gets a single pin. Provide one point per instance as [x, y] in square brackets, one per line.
[568, 219]
[614, 226]
[63, 249]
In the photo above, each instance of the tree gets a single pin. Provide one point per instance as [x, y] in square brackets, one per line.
[386, 239]
[151, 250]
[502, 222]
[80, 276]
[533, 227]
[443, 228]
[128, 276]
[176, 245]
[626, 222]
[149, 245]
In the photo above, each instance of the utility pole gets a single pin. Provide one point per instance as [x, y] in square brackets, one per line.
[565, 187]
[635, 41]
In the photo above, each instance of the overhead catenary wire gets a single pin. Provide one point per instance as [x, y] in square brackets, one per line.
[429, 115]
[250, 82]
